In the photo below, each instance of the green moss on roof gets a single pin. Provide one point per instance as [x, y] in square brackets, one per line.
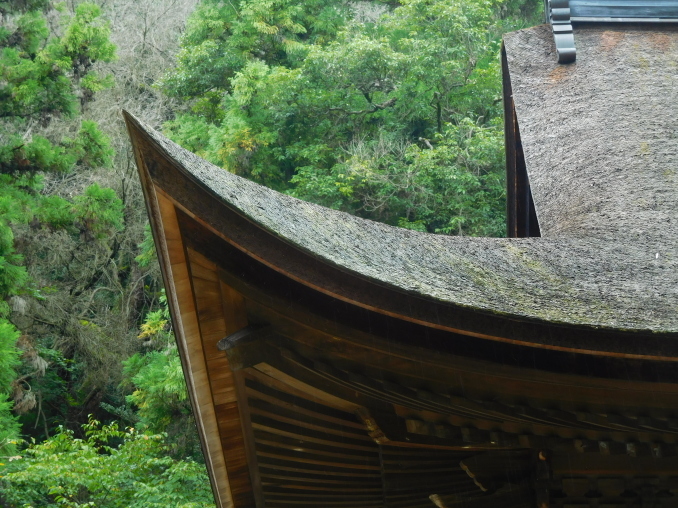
[607, 210]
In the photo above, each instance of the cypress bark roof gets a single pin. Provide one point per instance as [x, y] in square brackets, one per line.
[600, 136]
[585, 280]
[292, 320]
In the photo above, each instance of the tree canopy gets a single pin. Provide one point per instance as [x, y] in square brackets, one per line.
[43, 78]
[391, 112]
[108, 468]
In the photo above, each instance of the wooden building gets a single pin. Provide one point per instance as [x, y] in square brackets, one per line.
[335, 362]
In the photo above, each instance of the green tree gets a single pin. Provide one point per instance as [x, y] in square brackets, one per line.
[159, 394]
[13, 279]
[9, 427]
[42, 78]
[222, 37]
[394, 116]
[46, 79]
[108, 468]
[79, 317]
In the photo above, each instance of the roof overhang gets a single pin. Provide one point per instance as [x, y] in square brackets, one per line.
[340, 362]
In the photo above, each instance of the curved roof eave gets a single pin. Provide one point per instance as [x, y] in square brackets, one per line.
[590, 282]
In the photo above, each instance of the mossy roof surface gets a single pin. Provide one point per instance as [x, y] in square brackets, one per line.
[569, 280]
[600, 135]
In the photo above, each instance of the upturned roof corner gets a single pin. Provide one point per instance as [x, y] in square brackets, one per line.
[335, 361]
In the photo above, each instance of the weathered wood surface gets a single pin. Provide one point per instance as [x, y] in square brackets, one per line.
[220, 312]
[616, 283]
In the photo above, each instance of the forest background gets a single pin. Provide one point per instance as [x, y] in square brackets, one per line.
[390, 110]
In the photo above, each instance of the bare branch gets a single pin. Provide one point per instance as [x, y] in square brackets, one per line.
[375, 107]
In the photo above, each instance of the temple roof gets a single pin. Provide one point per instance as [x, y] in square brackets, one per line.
[599, 135]
[613, 274]
[336, 361]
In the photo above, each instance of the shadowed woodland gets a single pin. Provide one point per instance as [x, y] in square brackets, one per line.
[389, 110]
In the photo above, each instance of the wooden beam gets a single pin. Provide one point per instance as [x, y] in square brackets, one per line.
[221, 312]
[174, 267]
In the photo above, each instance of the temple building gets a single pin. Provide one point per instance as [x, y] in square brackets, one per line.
[336, 362]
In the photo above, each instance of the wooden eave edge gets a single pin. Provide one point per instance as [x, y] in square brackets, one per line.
[578, 284]
[201, 400]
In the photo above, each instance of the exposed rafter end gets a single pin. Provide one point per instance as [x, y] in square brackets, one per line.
[245, 348]
[558, 14]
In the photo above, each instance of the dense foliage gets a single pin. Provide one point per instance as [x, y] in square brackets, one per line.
[72, 293]
[108, 468]
[45, 77]
[158, 388]
[386, 109]
[389, 113]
